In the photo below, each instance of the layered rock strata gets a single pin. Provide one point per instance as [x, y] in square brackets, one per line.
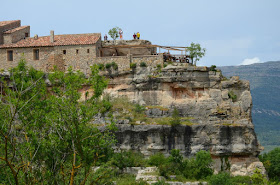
[219, 109]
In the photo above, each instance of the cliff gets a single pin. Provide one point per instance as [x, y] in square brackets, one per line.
[217, 110]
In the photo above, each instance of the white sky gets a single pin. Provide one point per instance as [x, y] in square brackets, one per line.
[232, 31]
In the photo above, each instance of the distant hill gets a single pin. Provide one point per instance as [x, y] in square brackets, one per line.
[265, 88]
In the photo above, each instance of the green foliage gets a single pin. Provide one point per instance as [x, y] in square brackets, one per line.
[220, 179]
[157, 159]
[161, 182]
[101, 67]
[114, 33]
[164, 65]
[139, 108]
[271, 163]
[196, 52]
[239, 180]
[133, 65]
[203, 163]
[213, 68]
[108, 65]
[257, 178]
[143, 64]
[232, 96]
[176, 120]
[47, 136]
[128, 159]
[115, 65]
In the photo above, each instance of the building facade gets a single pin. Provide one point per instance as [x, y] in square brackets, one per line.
[43, 53]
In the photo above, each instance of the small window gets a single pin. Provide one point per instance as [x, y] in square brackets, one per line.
[10, 56]
[36, 54]
[26, 34]
[77, 51]
[64, 52]
[87, 50]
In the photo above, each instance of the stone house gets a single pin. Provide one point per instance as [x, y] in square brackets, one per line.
[76, 50]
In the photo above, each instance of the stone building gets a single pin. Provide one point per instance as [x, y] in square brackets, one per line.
[76, 50]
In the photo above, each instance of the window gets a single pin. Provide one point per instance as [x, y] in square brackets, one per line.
[64, 52]
[77, 51]
[26, 34]
[36, 54]
[87, 50]
[10, 56]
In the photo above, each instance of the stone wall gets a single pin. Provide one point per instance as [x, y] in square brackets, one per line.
[16, 35]
[46, 58]
[122, 61]
[150, 60]
[9, 26]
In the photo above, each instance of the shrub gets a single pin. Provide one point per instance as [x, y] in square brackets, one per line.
[157, 159]
[101, 67]
[203, 163]
[161, 182]
[241, 180]
[128, 159]
[133, 65]
[176, 120]
[271, 162]
[139, 108]
[164, 65]
[220, 179]
[143, 64]
[213, 68]
[232, 96]
[114, 65]
[108, 65]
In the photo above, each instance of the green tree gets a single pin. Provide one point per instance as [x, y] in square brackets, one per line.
[176, 119]
[196, 52]
[46, 135]
[114, 33]
[271, 161]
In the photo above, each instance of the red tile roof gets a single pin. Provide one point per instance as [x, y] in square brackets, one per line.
[2, 23]
[16, 29]
[59, 40]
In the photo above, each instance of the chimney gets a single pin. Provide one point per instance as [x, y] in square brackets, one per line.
[35, 36]
[52, 36]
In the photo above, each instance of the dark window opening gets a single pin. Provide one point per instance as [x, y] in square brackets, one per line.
[87, 50]
[10, 56]
[36, 54]
[26, 34]
[77, 51]
[64, 52]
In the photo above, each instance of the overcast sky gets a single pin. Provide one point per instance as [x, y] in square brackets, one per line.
[232, 31]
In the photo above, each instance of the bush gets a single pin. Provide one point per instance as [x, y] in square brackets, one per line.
[176, 120]
[213, 68]
[164, 65]
[203, 163]
[143, 64]
[108, 65]
[114, 65]
[220, 179]
[101, 67]
[128, 159]
[271, 163]
[157, 159]
[241, 180]
[133, 65]
[139, 109]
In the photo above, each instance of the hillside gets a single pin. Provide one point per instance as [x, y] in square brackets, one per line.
[264, 80]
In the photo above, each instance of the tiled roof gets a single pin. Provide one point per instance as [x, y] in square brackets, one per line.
[2, 23]
[16, 29]
[59, 40]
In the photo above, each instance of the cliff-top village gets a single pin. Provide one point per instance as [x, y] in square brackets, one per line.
[77, 50]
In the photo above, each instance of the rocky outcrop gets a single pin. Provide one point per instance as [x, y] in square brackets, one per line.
[219, 108]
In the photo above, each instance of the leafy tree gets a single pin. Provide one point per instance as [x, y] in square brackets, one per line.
[46, 135]
[196, 52]
[176, 119]
[271, 162]
[114, 33]
[222, 178]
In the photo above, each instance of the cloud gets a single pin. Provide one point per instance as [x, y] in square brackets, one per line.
[249, 61]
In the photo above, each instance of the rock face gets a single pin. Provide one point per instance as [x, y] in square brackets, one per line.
[220, 110]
